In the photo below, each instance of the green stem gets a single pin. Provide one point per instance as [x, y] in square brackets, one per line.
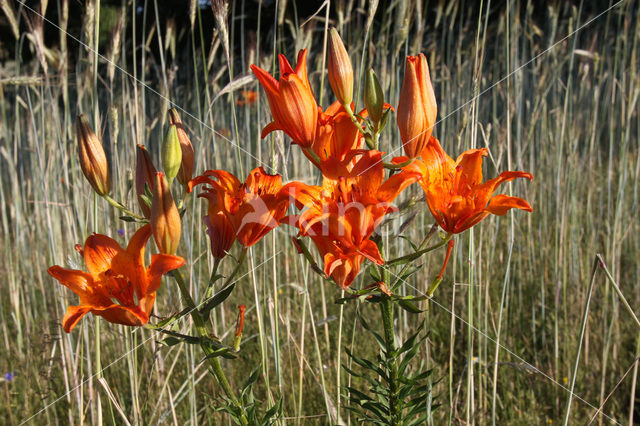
[315, 159]
[122, 208]
[395, 411]
[372, 143]
[201, 328]
[212, 280]
[398, 166]
[241, 259]
[185, 194]
[302, 247]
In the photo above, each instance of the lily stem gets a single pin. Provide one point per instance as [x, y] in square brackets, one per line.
[241, 259]
[122, 208]
[371, 143]
[214, 362]
[398, 166]
[395, 410]
[212, 280]
[422, 249]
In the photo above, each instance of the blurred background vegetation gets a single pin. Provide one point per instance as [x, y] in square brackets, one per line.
[549, 88]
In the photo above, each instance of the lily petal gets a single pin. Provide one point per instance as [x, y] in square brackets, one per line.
[393, 186]
[159, 266]
[271, 127]
[501, 204]
[469, 166]
[136, 245]
[99, 251]
[125, 315]
[78, 282]
[73, 315]
[370, 250]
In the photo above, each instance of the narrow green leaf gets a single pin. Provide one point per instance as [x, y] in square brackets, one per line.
[171, 341]
[272, 411]
[375, 273]
[409, 306]
[216, 299]
[251, 380]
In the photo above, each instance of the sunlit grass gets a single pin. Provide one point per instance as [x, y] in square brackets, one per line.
[569, 116]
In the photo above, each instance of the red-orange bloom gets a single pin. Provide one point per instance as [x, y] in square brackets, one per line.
[252, 209]
[291, 100]
[117, 286]
[247, 97]
[455, 193]
[219, 227]
[336, 135]
[343, 213]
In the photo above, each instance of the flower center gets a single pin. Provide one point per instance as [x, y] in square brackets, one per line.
[120, 289]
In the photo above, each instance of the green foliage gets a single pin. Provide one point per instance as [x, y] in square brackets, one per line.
[252, 407]
[216, 299]
[413, 392]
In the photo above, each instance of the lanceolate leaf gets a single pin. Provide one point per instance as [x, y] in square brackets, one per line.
[409, 306]
[216, 299]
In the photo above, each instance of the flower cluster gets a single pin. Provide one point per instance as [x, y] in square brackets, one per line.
[341, 215]
[117, 286]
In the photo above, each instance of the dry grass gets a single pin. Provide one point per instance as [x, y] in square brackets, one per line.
[514, 78]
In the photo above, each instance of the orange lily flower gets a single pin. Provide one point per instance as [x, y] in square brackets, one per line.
[247, 97]
[336, 135]
[343, 213]
[219, 227]
[117, 286]
[252, 209]
[455, 193]
[293, 106]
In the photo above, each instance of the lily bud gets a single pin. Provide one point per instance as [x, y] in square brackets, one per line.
[171, 153]
[239, 327]
[145, 174]
[165, 219]
[373, 96]
[93, 160]
[340, 69]
[417, 109]
[186, 167]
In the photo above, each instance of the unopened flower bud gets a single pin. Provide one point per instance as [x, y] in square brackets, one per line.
[340, 69]
[93, 160]
[171, 153]
[186, 167]
[417, 107]
[165, 219]
[239, 327]
[145, 174]
[373, 96]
